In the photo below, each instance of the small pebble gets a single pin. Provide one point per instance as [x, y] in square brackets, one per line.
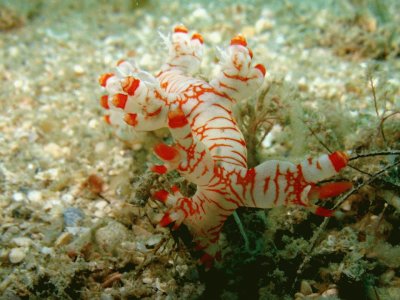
[147, 280]
[153, 240]
[105, 296]
[77, 230]
[111, 236]
[78, 70]
[53, 149]
[305, 288]
[248, 31]
[18, 196]
[330, 293]
[215, 37]
[47, 251]
[22, 241]
[67, 198]
[200, 14]
[73, 216]
[101, 204]
[63, 239]
[16, 255]
[35, 196]
[262, 25]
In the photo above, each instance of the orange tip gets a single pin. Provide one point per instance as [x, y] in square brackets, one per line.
[250, 53]
[119, 100]
[334, 189]
[166, 152]
[261, 68]
[130, 85]
[103, 78]
[207, 261]
[198, 36]
[174, 189]
[121, 61]
[104, 101]
[161, 195]
[176, 118]
[130, 119]
[160, 169]
[181, 28]
[324, 212]
[107, 119]
[166, 220]
[239, 40]
[339, 160]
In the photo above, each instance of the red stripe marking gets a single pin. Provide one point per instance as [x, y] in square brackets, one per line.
[224, 118]
[224, 128]
[216, 203]
[223, 107]
[240, 141]
[195, 107]
[194, 119]
[250, 177]
[277, 174]
[237, 77]
[237, 197]
[241, 155]
[219, 145]
[266, 183]
[215, 228]
[221, 84]
[155, 113]
[205, 170]
[223, 157]
[202, 154]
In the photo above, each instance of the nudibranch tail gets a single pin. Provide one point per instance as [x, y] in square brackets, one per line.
[276, 183]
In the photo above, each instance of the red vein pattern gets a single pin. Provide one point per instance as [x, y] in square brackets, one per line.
[209, 150]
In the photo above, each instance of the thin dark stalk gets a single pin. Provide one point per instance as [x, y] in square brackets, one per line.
[377, 153]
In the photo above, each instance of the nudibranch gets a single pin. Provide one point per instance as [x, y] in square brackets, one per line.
[209, 150]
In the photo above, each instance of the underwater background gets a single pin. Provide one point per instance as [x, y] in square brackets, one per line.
[77, 220]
